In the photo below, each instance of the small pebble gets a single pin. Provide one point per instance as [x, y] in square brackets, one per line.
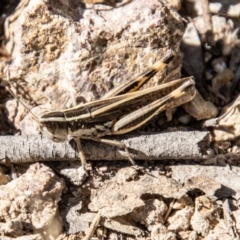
[222, 78]
[185, 119]
[210, 152]
[235, 149]
[208, 75]
[207, 56]
[219, 64]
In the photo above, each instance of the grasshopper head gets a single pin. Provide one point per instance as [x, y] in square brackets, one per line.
[53, 126]
[55, 131]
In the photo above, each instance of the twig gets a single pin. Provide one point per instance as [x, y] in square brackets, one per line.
[169, 209]
[170, 145]
[207, 18]
[93, 226]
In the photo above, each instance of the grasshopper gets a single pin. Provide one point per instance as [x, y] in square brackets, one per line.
[120, 111]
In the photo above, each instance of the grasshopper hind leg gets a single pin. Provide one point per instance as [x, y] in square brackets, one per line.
[115, 144]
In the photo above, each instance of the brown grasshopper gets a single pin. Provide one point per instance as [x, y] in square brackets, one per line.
[117, 112]
[120, 111]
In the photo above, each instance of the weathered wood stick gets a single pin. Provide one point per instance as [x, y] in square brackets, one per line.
[170, 145]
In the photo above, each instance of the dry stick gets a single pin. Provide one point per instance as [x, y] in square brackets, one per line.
[169, 145]
[229, 222]
[207, 18]
[169, 209]
[93, 226]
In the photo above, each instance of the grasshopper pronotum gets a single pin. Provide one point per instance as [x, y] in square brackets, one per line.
[120, 111]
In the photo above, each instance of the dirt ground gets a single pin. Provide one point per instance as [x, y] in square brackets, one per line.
[159, 80]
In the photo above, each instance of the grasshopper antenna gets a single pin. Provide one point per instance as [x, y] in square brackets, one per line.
[21, 102]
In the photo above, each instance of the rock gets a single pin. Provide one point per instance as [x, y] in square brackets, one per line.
[69, 54]
[227, 177]
[200, 109]
[180, 219]
[75, 174]
[151, 213]
[160, 232]
[206, 184]
[204, 212]
[3, 177]
[227, 125]
[222, 7]
[29, 204]
[29, 237]
[122, 194]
